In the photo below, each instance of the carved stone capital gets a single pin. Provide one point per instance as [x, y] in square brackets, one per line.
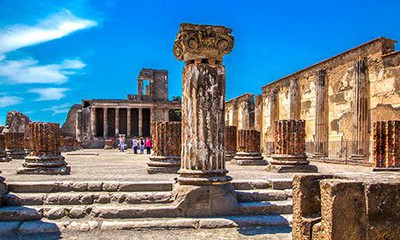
[202, 42]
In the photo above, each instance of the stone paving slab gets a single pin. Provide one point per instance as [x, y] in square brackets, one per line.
[112, 165]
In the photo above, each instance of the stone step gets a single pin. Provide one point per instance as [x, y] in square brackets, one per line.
[57, 226]
[107, 186]
[266, 207]
[258, 195]
[109, 211]
[86, 198]
[251, 184]
[281, 183]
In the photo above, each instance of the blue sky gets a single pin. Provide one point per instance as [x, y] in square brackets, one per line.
[56, 53]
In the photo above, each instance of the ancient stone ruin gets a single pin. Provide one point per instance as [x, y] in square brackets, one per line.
[46, 157]
[248, 148]
[290, 148]
[203, 187]
[15, 145]
[27, 146]
[386, 146]
[17, 122]
[3, 154]
[166, 137]
[230, 142]
[346, 206]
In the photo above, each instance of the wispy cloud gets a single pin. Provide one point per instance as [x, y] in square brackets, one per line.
[64, 108]
[55, 26]
[9, 100]
[49, 93]
[30, 71]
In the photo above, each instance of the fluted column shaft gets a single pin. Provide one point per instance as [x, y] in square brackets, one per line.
[321, 116]
[116, 121]
[140, 121]
[128, 122]
[105, 123]
[93, 121]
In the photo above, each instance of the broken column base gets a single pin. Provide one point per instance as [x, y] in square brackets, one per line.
[285, 163]
[45, 164]
[205, 200]
[357, 158]
[229, 155]
[249, 159]
[16, 153]
[162, 164]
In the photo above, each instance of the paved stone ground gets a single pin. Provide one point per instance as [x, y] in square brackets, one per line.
[267, 233]
[126, 166]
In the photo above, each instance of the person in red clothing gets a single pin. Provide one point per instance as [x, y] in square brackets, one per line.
[148, 145]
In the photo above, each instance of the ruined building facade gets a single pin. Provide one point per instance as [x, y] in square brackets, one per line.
[99, 119]
[339, 98]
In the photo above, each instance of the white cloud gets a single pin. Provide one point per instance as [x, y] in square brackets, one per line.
[56, 26]
[9, 101]
[49, 93]
[64, 108]
[29, 71]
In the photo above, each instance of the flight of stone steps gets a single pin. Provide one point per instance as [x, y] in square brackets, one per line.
[47, 207]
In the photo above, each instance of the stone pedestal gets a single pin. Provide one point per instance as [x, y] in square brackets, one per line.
[46, 157]
[248, 145]
[290, 148]
[166, 137]
[3, 155]
[386, 149]
[230, 142]
[15, 145]
[203, 188]
[108, 144]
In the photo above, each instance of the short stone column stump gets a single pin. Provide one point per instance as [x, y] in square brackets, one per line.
[3, 154]
[230, 142]
[166, 137]
[386, 150]
[108, 144]
[290, 148]
[248, 145]
[46, 157]
[15, 145]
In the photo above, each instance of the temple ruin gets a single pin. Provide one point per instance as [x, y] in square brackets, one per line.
[339, 99]
[99, 119]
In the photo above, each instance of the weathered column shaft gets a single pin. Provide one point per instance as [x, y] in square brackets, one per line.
[248, 148]
[386, 145]
[116, 121]
[78, 122]
[93, 121]
[321, 116]
[140, 121]
[230, 142]
[105, 123]
[3, 155]
[360, 111]
[295, 103]
[274, 115]
[129, 122]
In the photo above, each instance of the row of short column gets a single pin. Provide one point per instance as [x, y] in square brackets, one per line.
[117, 127]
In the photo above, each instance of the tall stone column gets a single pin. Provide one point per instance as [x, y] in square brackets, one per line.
[274, 115]
[93, 122]
[15, 143]
[360, 143]
[128, 122]
[78, 123]
[386, 146]
[140, 121]
[3, 155]
[166, 137]
[321, 116]
[203, 171]
[295, 104]
[116, 121]
[290, 147]
[46, 157]
[248, 147]
[230, 142]
[105, 123]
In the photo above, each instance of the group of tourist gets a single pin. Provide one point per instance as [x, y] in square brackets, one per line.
[137, 143]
